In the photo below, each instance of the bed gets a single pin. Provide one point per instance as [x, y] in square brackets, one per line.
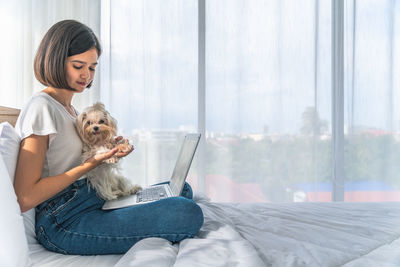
[268, 234]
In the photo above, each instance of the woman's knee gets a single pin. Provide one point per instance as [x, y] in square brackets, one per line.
[193, 215]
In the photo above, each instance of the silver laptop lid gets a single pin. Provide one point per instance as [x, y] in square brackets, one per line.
[183, 163]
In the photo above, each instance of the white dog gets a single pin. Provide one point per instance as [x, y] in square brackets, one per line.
[97, 130]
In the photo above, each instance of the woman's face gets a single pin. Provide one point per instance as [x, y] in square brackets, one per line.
[81, 69]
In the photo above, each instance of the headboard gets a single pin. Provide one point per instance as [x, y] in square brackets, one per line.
[9, 114]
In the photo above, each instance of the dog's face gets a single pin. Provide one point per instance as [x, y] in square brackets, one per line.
[96, 126]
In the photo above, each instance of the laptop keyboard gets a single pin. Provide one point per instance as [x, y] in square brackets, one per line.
[151, 194]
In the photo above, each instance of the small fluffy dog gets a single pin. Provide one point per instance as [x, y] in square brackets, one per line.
[97, 130]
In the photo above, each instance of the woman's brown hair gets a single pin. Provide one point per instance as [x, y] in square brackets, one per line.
[64, 39]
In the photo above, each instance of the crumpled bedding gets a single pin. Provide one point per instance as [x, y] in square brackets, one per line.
[268, 234]
[320, 234]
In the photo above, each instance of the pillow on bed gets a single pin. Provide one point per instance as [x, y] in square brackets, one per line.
[9, 149]
[13, 244]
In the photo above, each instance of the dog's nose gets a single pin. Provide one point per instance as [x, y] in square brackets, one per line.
[96, 128]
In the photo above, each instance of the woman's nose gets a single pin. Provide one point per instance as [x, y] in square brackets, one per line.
[85, 73]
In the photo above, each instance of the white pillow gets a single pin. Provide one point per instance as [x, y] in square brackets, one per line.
[9, 149]
[13, 243]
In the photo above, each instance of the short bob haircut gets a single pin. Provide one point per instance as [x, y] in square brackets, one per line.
[64, 39]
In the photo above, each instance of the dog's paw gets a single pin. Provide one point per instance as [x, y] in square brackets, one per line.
[108, 196]
[134, 189]
[118, 193]
[124, 141]
[124, 147]
[123, 193]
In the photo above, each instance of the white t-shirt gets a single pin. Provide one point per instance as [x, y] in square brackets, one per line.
[43, 115]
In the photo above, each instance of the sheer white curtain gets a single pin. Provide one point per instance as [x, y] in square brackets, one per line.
[268, 99]
[268, 104]
[372, 97]
[23, 24]
[268, 94]
[152, 84]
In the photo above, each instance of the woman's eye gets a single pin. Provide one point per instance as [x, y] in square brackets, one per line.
[78, 67]
[101, 121]
[92, 69]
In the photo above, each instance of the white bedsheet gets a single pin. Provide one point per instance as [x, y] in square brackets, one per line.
[40, 257]
[292, 234]
[321, 234]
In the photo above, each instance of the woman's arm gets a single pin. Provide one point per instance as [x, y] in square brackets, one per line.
[30, 188]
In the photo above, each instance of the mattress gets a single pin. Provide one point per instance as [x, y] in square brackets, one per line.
[268, 234]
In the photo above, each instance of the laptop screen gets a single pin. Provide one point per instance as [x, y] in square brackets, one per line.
[183, 163]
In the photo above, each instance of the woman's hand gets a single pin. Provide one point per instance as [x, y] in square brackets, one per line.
[106, 155]
[99, 158]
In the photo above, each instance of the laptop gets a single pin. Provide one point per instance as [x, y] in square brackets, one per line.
[157, 192]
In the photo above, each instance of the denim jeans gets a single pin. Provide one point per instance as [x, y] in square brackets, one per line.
[72, 222]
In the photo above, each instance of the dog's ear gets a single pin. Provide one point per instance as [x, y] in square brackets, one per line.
[111, 122]
[80, 123]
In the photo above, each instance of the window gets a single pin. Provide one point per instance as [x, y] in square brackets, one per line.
[269, 132]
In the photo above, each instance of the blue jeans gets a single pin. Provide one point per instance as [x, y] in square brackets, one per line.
[72, 222]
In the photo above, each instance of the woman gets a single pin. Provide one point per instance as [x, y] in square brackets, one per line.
[50, 176]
